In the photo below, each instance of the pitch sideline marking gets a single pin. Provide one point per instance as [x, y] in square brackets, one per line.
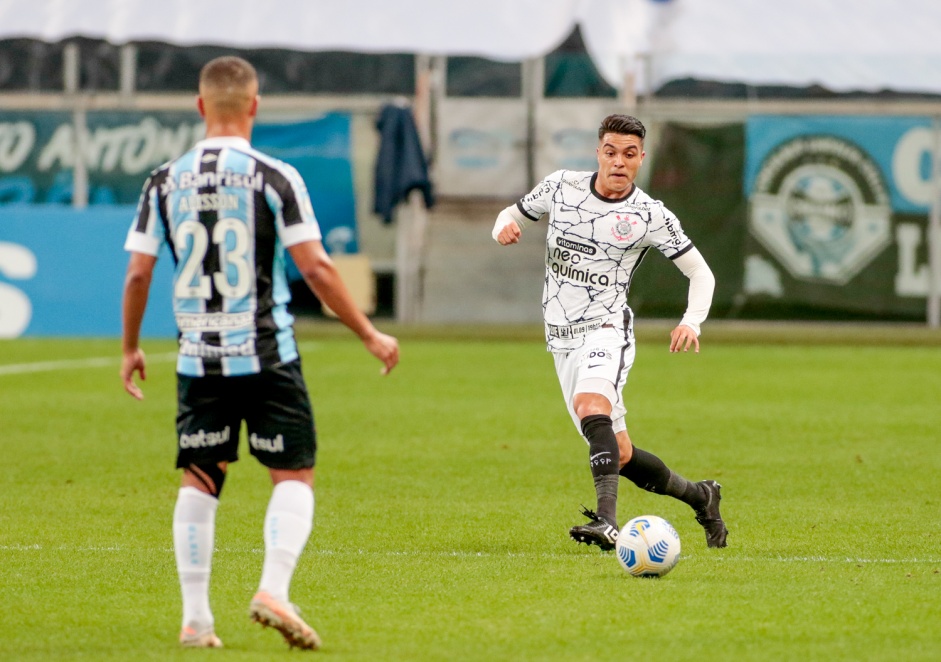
[361, 552]
[74, 364]
[96, 362]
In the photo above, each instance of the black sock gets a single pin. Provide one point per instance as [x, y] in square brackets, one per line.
[648, 472]
[604, 461]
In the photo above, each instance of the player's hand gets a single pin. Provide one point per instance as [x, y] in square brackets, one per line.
[510, 234]
[385, 348]
[132, 362]
[682, 338]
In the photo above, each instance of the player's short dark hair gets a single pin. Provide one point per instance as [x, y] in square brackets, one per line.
[228, 72]
[626, 125]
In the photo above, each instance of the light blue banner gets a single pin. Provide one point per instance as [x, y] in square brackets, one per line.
[62, 270]
[320, 150]
[38, 153]
[62, 273]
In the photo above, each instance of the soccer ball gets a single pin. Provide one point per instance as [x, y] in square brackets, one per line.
[648, 546]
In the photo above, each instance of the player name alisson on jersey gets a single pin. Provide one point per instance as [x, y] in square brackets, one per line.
[208, 202]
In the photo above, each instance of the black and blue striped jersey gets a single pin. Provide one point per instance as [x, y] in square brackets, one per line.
[227, 212]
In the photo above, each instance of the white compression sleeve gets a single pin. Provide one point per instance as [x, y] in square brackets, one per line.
[701, 286]
[509, 215]
[288, 524]
[194, 526]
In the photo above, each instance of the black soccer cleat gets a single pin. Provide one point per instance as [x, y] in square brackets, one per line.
[599, 531]
[708, 516]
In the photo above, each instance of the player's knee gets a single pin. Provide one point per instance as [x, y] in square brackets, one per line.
[591, 404]
[592, 407]
[209, 475]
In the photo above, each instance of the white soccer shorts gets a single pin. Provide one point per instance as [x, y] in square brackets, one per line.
[599, 366]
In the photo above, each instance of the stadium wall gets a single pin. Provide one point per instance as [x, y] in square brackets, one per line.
[704, 160]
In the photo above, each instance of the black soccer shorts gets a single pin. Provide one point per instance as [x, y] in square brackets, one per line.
[274, 405]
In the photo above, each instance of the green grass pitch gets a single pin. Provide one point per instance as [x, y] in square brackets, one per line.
[445, 493]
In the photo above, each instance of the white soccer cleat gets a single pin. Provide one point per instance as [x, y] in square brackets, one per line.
[191, 638]
[283, 617]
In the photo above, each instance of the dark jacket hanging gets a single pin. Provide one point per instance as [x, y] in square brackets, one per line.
[400, 165]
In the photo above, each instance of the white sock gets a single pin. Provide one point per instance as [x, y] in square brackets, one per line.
[194, 528]
[288, 523]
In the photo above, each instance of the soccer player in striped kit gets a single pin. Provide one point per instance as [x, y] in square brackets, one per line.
[600, 227]
[227, 213]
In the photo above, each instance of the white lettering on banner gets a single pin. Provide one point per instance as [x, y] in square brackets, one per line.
[912, 180]
[912, 278]
[60, 150]
[132, 148]
[16, 143]
[16, 262]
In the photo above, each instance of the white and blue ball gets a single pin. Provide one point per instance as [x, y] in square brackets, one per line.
[648, 546]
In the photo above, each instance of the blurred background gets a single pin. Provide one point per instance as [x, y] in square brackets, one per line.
[798, 144]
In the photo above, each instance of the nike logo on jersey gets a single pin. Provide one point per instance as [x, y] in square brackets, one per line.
[597, 365]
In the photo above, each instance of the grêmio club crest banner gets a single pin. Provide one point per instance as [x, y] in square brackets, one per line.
[837, 213]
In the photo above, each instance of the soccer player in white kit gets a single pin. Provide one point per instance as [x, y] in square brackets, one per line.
[600, 227]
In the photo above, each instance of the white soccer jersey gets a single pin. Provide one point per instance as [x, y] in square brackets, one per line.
[594, 246]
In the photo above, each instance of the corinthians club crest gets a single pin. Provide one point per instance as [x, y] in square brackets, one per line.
[820, 206]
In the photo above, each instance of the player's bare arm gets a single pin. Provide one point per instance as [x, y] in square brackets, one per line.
[140, 270]
[321, 276]
[701, 286]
